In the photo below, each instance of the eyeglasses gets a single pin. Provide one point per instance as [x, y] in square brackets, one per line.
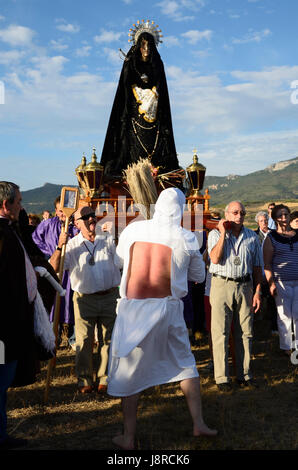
[242, 213]
[87, 216]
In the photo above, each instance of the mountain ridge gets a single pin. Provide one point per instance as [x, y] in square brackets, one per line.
[278, 181]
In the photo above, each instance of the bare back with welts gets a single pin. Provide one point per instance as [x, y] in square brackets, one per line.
[149, 272]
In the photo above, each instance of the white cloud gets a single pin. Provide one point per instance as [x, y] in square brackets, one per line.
[43, 97]
[227, 47]
[8, 57]
[67, 27]
[2, 18]
[46, 68]
[171, 41]
[201, 53]
[169, 7]
[58, 45]
[83, 51]
[205, 107]
[243, 154]
[270, 78]
[17, 35]
[112, 55]
[253, 36]
[194, 36]
[207, 113]
[176, 9]
[107, 37]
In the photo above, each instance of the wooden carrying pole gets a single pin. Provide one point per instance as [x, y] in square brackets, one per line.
[72, 195]
[52, 362]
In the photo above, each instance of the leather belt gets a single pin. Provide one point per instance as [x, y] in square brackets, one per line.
[245, 278]
[104, 292]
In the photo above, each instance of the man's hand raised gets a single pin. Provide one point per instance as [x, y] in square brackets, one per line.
[223, 226]
[62, 239]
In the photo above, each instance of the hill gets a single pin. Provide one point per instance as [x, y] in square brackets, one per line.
[40, 199]
[276, 182]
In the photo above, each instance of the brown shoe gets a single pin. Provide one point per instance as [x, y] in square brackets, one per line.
[102, 389]
[86, 389]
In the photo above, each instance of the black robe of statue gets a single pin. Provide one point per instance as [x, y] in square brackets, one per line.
[122, 147]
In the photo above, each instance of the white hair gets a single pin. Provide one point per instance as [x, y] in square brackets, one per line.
[227, 206]
[261, 214]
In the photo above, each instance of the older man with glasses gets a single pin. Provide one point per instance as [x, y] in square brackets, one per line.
[91, 261]
[236, 268]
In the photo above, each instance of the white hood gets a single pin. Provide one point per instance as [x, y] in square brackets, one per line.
[169, 207]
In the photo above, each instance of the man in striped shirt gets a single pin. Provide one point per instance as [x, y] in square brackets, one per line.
[236, 268]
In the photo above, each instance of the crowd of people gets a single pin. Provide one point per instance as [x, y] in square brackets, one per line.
[132, 298]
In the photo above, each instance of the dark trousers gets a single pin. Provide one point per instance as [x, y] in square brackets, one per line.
[198, 292]
[7, 373]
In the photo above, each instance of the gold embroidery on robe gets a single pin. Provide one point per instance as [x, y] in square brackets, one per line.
[148, 100]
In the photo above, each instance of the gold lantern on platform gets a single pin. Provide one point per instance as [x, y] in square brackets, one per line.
[196, 175]
[90, 177]
[80, 171]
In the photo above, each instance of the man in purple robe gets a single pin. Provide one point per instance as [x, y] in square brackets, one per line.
[46, 238]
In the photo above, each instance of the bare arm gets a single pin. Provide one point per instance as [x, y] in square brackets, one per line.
[268, 255]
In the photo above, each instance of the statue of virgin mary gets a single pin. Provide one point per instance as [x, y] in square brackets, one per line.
[140, 124]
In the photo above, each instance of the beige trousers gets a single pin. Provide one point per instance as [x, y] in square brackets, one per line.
[231, 301]
[92, 310]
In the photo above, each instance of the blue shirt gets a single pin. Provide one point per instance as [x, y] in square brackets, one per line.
[271, 224]
[247, 247]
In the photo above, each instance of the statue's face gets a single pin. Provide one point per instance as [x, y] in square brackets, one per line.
[145, 50]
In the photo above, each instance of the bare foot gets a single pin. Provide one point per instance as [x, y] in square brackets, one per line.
[123, 443]
[203, 430]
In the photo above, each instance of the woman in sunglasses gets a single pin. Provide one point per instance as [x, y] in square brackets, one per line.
[281, 271]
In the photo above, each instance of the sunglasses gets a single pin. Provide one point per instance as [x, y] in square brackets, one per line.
[87, 216]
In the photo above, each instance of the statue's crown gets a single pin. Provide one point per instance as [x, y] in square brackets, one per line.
[145, 27]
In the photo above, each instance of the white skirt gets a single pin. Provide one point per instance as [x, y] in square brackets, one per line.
[150, 346]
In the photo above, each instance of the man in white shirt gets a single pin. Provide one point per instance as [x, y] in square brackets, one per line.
[91, 261]
[236, 268]
[150, 343]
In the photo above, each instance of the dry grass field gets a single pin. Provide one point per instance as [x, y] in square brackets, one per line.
[260, 419]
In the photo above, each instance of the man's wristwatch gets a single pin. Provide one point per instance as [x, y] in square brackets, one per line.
[58, 248]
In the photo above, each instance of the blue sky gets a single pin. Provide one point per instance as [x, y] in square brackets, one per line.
[229, 65]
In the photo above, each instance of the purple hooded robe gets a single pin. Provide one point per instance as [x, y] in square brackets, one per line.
[46, 237]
